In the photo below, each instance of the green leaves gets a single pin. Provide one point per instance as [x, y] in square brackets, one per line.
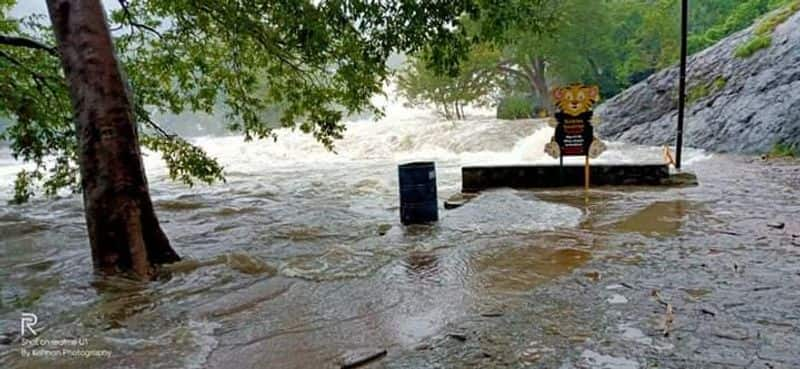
[267, 63]
[22, 187]
[476, 78]
[34, 97]
[316, 60]
[763, 31]
[185, 162]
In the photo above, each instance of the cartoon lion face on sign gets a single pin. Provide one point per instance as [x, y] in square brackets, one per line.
[576, 99]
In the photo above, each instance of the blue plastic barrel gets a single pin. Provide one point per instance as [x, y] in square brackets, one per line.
[418, 201]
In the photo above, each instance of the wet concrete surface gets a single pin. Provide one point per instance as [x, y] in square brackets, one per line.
[711, 254]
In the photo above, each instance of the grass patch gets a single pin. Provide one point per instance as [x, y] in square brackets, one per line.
[699, 92]
[781, 150]
[775, 20]
[719, 83]
[754, 45]
[696, 93]
[762, 37]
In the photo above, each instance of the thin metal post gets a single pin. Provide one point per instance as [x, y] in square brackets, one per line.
[682, 81]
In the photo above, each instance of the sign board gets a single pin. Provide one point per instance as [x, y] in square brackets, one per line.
[574, 133]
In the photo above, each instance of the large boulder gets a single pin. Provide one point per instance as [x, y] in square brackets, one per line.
[736, 104]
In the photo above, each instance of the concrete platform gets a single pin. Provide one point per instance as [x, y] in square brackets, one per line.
[479, 178]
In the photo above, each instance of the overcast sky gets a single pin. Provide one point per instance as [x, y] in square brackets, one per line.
[28, 7]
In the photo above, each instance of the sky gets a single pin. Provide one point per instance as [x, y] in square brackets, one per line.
[28, 7]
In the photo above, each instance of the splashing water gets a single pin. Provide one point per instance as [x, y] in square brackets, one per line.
[404, 134]
[315, 215]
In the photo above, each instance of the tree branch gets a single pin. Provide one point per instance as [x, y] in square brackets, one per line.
[503, 67]
[144, 116]
[30, 43]
[40, 80]
[133, 23]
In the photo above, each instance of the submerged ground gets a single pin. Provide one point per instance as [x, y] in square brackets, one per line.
[299, 261]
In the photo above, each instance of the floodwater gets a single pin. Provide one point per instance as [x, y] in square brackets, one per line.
[299, 261]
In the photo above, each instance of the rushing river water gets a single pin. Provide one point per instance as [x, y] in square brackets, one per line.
[300, 258]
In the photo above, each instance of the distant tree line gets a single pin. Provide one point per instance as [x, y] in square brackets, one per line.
[612, 43]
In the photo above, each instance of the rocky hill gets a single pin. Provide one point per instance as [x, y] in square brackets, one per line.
[743, 94]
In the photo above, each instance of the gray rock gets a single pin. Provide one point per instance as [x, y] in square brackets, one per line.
[751, 103]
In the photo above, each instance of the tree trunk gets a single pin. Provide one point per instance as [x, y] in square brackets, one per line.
[446, 107]
[124, 232]
[539, 84]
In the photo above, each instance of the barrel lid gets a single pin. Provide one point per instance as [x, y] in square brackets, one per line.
[417, 164]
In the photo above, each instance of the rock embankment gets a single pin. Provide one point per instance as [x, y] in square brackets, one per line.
[735, 103]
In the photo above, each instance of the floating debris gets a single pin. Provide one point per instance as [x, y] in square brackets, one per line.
[492, 314]
[383, 229]
[458, 336]
[634, 334]
[248, 264]
[731, 335]
[593, 276]
[776, 225]
[617, 299]
[669, 319]
[534, 352]
[708, 311]
[591, 359]
[356, 358]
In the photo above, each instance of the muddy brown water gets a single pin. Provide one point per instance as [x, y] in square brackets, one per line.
[297, 266]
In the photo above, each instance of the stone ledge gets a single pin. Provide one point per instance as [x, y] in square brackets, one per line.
[479, 178]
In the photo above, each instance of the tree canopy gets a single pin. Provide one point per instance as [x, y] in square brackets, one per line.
[312, 62]
[265, 64]
[612, 43]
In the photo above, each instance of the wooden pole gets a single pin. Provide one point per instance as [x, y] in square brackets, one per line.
[586, 173]
[682, 81]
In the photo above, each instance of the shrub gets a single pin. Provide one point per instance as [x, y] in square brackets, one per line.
[783, 150]
[516, 107]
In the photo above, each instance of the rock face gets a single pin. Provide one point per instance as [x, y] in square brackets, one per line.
[739, 105]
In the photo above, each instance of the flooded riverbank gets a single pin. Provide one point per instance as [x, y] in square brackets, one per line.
[299, 260]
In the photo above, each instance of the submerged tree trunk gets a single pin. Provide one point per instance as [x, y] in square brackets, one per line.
[124, 232]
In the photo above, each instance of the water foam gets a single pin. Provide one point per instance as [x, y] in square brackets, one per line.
[407, 133]
[403, 134]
